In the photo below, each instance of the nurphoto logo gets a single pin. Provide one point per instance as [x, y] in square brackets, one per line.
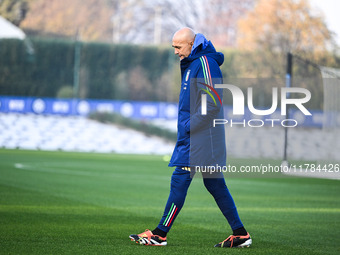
[239, 105]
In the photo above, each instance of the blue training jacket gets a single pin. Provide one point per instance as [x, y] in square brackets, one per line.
[198, 142]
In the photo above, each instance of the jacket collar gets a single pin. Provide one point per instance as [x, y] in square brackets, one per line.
[199, 40]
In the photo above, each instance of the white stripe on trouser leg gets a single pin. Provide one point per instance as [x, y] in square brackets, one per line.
[170, 216]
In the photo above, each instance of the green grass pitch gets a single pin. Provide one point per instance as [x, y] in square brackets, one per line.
[83, 203]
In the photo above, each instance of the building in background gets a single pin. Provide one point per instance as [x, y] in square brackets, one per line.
[8, 30]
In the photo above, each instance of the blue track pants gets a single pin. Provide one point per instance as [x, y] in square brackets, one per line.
[180, 182]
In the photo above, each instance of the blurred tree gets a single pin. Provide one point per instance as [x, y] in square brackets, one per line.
[136, 21]
[154, 21]
[147, 21]
[221, 17]
[275, 27]
[283, 26]
[140, 87]
[14, 10]
[65, 92]
[90, 17]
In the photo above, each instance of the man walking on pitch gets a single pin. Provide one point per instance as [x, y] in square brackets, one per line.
[198, 142]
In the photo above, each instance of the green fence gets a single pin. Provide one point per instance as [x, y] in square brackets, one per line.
[105, 71]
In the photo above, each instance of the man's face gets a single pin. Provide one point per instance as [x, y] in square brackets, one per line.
[182, 48]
